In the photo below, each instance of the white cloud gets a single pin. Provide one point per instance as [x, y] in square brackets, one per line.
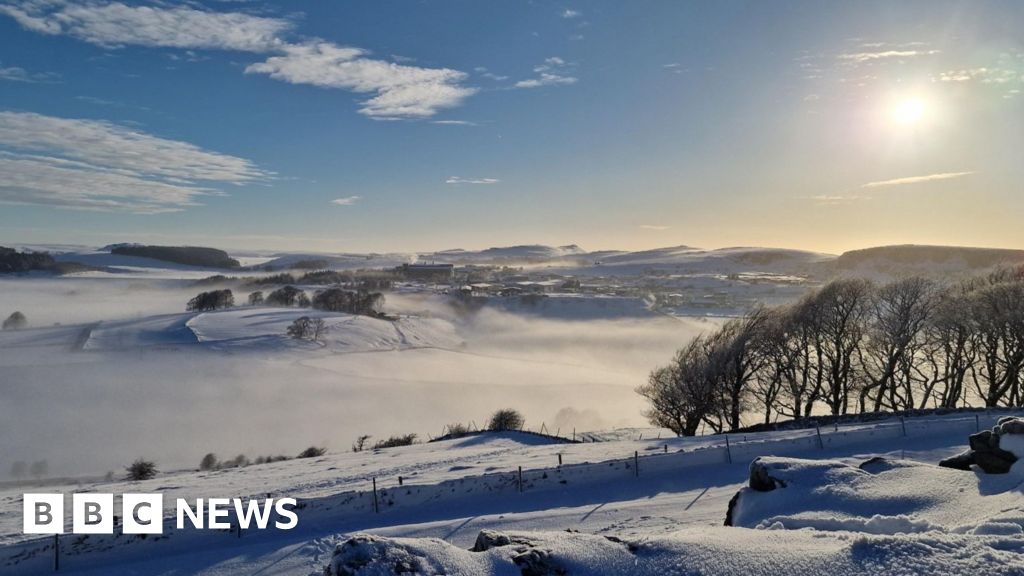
[460, 180]
[654, 227]
[89, 164]
[115, 24]
[916, 179]
[398, 91]
[550, 73]
[570, 13]
[401, 91]
[346, 201]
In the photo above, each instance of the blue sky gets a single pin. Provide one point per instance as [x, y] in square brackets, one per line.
[430, 125]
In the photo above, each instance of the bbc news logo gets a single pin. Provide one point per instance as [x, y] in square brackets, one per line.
[94, 513]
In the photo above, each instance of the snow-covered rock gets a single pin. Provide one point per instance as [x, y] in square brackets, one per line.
[708, 551]
[877, 497]
[994, 451]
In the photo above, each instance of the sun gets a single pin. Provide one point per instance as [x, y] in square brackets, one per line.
[909, 111]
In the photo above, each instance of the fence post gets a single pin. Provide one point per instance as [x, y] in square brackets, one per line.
[376, 506]
[520, 478]
[666, 448]
[728, 450]
[820, 443]
[977, 423]
[636, 463]
[903, 423]
[399, 480]
[559, 458]
[56, 552]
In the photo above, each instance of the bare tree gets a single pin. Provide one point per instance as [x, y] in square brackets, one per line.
[998, 311]
[841, 309]
[683, 394]
[899, 313]
[735, 359]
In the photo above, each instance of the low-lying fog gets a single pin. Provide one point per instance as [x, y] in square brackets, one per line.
[94, 411]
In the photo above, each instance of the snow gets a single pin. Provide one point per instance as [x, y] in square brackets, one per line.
[830, 516]
[707, 551]
[1013, 443]
[897, 497]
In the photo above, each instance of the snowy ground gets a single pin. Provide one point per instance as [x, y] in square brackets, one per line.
[675, 507]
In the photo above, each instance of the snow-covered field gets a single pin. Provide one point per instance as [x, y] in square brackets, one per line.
[666, 516]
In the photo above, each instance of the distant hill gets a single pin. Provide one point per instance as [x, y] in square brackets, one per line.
[526, 253]
[925, 259]
[188, 255]
[15, 262]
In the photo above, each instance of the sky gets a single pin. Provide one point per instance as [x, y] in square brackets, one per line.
[399, 125]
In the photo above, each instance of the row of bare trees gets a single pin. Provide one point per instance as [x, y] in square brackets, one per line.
[851, 346]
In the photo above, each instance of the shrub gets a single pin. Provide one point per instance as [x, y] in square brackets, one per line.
[506, 419]
[141, 470]
[458, 429]
[360, 444]
[209, 462]
[306, 328]
[405, 440]
[312, 452]
[15, 321]
[256, 298]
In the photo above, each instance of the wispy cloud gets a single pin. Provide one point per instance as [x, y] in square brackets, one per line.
[570, 13]
[18, 74]
[454, 122]
[550, 73]
[346, 201]
[916, 179]
[834, 199]
[398, 91]
[461, 180]
[868, 56]
[654, 227]
[95, 165]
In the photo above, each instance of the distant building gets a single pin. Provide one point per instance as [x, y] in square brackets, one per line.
[428, 272]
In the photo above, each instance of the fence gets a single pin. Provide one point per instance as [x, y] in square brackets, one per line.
[656, 457]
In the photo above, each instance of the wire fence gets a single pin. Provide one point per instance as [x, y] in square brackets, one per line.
[656, 457]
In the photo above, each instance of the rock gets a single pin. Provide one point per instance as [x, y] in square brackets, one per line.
[1009, 425]
[538, 562]
[983, 440]
[488, 539]
[994, 462]
[761, 480]
[961, 461]
[363, 550]
[875, 465]
[985, 451]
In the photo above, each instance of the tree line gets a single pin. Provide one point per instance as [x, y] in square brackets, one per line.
[851, 346]
[331, 299]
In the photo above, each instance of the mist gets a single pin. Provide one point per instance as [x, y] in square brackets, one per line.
[90, 412]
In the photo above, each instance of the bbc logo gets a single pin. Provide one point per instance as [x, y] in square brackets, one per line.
[93, 513]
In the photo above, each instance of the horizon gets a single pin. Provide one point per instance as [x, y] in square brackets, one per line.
[344, 128]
